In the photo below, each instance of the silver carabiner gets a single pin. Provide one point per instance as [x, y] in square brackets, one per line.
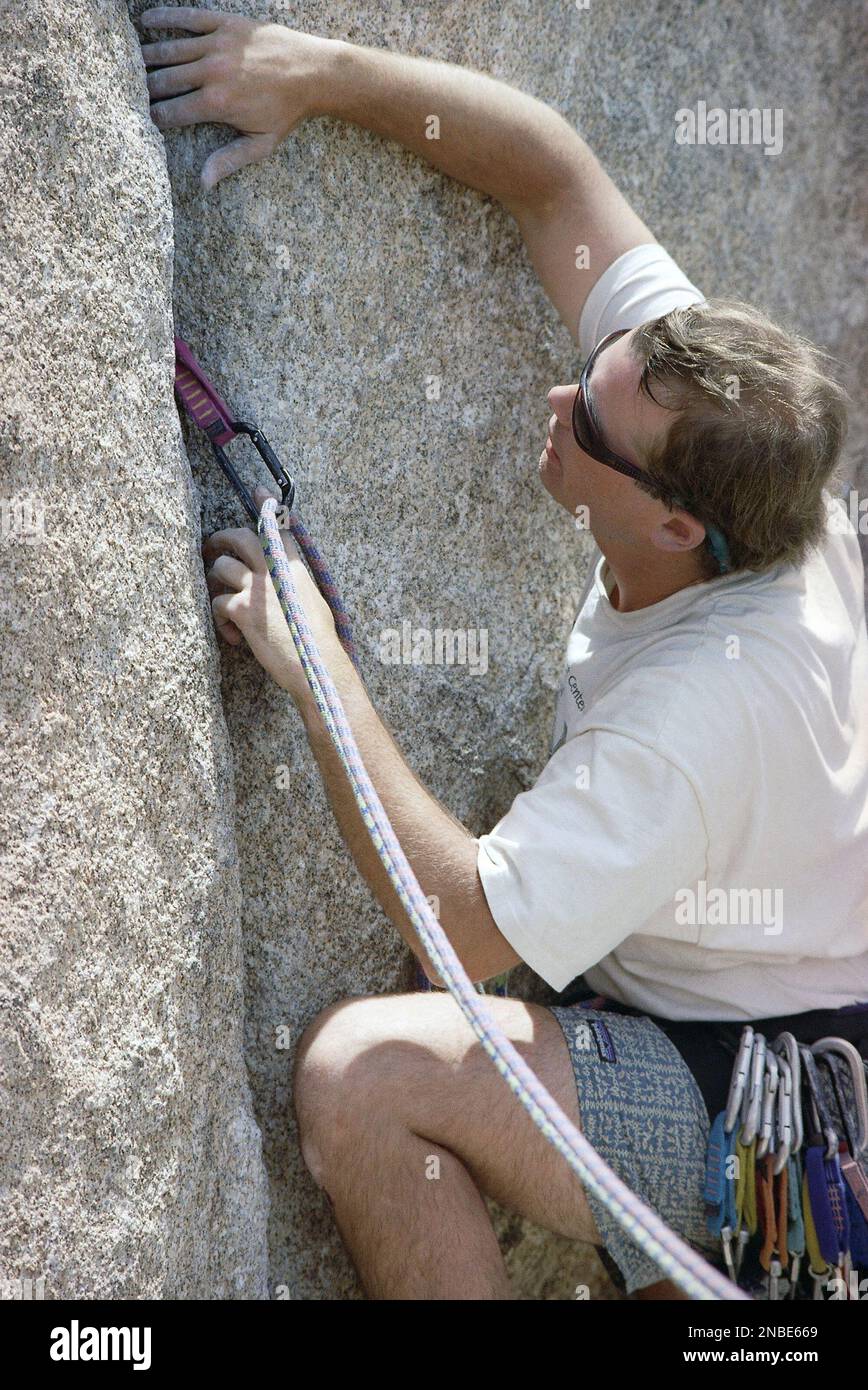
[785, 1045]
[784, 1117]
[738, 1079]
[771, 1077]
[751, 1106]
[842, 1048]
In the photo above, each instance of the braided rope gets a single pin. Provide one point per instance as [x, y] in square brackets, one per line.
[676, 1259]
[326, 585]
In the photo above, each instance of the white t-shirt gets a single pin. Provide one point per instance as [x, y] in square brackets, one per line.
[697, 844]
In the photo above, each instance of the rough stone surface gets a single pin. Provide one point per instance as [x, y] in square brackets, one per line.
[131, 1160]
[322, 289]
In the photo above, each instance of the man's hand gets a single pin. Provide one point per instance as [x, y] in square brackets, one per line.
[246, 607]
[442, 852]
[264, 78]
[260, 78]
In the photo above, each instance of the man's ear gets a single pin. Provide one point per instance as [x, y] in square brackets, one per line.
[678, 532]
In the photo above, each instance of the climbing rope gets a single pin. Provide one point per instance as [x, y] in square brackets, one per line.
[676, 1259]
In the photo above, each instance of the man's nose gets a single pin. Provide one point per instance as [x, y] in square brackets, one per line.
[561, 398]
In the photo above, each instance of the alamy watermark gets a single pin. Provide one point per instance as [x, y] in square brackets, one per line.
[439, 646]
[22, 1288]
[22, 518]
[736, 907]
[712, 125]
[846, 512]
[77, 1343]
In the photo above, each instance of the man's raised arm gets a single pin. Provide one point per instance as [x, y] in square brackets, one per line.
[263, 79]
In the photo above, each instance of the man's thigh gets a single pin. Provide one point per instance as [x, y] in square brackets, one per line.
[412, 1060]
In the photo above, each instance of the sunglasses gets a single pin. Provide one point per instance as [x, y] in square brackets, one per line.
[589, 439]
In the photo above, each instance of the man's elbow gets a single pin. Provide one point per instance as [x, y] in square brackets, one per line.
[480, 960]
[434, 977]
[467, 922]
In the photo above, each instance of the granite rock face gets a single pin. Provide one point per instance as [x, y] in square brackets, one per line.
[132, 1162]
[385, 329]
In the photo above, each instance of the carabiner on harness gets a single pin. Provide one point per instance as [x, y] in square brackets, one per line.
[202, 402]
[797, 1116]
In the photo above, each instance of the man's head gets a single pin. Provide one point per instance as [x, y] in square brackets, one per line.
[736, 423]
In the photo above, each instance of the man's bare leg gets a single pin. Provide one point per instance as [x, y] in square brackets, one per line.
[405, 1124]
[664, 1290]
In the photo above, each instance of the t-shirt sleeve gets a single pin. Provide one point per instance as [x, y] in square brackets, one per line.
[640, 285]
[599, 845]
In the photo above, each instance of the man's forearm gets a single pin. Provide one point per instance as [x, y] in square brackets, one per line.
[440, 850]
[489, 135]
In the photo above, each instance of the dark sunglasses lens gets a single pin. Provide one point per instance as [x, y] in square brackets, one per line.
[581, 427]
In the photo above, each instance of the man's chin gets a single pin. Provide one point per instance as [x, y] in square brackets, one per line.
[551, 474]
[551, 477]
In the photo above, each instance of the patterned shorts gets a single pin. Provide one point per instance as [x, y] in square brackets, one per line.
[643, 1112]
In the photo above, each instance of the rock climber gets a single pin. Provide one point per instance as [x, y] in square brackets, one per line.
[710, 739]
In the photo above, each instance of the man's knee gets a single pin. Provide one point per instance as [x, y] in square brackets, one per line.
[333, 1079]
[326, 1049]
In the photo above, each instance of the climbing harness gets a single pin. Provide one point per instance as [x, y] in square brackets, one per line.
[676, 1259]
[787, 1168]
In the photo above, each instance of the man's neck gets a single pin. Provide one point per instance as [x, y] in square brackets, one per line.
[640, 583]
